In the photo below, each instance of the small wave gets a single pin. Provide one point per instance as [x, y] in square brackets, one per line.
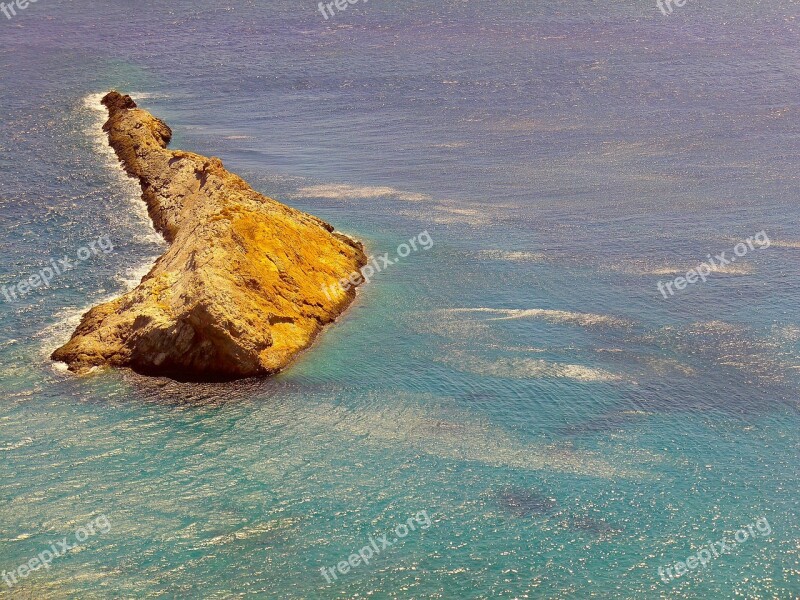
[133, 276]
[95, 129]
[261, 530]
[715, 327]
[457, 329]
[451, 145]
[447, 215]
[785, 244]
[464, 212]
[441, 214]
[525, 368]
[337, 191]
[668, 366]
[730, 345]
[787, 333]
[56, 335]
[93, 102]
[536, 125]
[129, 185]
[526, 349]
[731, 269]
[512, 255]
[8, 446]
[149, 237]
[552, 316]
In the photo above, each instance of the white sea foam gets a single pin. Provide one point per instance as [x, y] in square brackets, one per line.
[254, 531]
[93, 102]
[731, 345]
[530, 368]
[731, 269]
[95, 130]
[133, 276]
[715, 327]
[447, 215]
[459, 329]
[649, 268]
[787, 333]
[512, 256]
[127, 184]
[59, 332]
[537, 125]
[442, 214]
[668, 366]
[340, 191]
[552, 316]
[68, 319]
[451, 145]
[433, 211]
[526, 349]
[8, 446]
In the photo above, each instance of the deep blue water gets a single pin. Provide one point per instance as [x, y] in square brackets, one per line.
[523, 383]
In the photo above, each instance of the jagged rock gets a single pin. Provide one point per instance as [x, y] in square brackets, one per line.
[246, 284]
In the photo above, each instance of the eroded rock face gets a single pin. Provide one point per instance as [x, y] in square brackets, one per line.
[241, 290]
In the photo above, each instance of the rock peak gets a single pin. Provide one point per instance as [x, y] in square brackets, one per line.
[115, 101]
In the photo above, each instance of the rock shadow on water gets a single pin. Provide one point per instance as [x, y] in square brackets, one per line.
[596, 527]
[613, 421]
[523, 502]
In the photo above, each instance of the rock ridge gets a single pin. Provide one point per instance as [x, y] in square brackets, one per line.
[246, 284]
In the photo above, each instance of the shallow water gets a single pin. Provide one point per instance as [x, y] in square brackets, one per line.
[567, 429]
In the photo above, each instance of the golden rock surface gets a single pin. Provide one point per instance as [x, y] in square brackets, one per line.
[241, 289]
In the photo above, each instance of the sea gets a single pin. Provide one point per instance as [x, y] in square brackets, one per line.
[546, 402]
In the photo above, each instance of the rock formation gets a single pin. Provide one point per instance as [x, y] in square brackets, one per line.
[246, 284]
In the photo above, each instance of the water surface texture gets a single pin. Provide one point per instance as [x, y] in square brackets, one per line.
[560, 428]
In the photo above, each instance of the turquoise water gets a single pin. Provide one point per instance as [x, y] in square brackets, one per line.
[523, 383]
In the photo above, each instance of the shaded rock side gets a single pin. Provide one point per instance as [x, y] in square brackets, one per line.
[241, 289]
